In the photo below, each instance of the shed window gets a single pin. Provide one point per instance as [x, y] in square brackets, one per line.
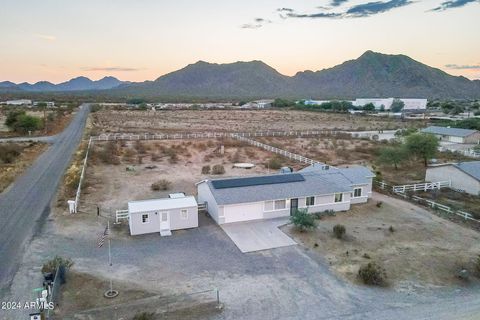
[280, 204]
[338, 197]
[184, 214]
[310, 201]
[145, 218]
[357, 192]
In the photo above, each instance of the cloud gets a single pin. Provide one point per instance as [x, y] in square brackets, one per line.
[258, 23]
[453, 4]
[285, 10]
[122, 69]
[371, 8]
[361, 10]
[46, 37]
[336, 3]
[463, 67]
[315, 15]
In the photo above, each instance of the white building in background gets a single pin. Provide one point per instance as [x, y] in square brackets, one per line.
[410, 104]
[21, 102]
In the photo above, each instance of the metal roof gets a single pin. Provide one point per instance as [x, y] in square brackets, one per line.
[471, 168]
[161, 204]
[315, 182]
[456, 132]
[255, 181]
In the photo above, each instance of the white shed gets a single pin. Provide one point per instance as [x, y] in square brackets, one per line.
[162, 215]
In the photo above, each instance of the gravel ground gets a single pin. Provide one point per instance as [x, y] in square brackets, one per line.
[285, 283]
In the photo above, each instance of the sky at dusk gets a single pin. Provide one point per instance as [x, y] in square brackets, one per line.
[139, 40]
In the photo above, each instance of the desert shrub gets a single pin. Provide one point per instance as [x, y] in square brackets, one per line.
[162, 185]
[140, 147]
[72, 177]
[144, 316]
[274, 163]
[206, 169]
[372, 274]
[9, 152]
[109, 154]
[52, 265]
[379, 204]
[218, 169]
[339, 231]
[391, 229]
[302, 220]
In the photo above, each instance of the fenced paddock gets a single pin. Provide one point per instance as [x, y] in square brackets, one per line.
[403, 189]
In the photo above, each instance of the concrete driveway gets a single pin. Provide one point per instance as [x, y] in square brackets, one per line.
[258, 235]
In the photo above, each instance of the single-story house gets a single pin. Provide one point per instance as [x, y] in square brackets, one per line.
[316, 188]
[163, 215]
[456, 135]
[464, 176]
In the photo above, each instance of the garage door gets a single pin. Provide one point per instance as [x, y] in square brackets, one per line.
[244, 212]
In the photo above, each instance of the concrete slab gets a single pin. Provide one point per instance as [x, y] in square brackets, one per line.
[258, 235]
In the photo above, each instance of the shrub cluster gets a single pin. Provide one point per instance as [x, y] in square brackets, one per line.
[162, 185]
[206, 169]
[52, 265]
[218, 169]
[302, 220]
[9, 152]
[372, 274]
[339, 231]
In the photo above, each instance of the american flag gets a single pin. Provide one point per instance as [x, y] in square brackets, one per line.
[102, 238]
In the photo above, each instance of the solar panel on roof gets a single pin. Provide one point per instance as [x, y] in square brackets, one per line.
[257, 181]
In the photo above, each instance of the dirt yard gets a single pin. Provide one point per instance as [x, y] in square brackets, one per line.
[118, 172]
[15, 158]
[422, 250]
[57, 121]
[83, 296]
[234, 121]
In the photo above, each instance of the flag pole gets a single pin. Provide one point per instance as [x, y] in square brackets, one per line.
[109, 255]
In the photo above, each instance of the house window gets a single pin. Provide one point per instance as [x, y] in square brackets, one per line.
[310, 201]
[357, 192]
[338, 197]
[268, 205]
[145, 218]
[184, 214]
[280, 204]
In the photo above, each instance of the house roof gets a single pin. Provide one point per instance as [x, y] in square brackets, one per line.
[456, 132]
[471, 168]
[315, 182]
[161, 204]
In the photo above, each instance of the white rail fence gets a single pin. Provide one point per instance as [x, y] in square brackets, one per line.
[422, 186]
[73, 204]
[276, 150]
[400, 190]
[447, 209]
[206, 135]
[121, 215]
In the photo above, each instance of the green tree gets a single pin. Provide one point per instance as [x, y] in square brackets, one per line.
[392, 156]
[369, 107]
[397, 105]
[282, 103]
[422, 145]
[12, 117]
[27, 123]
[302, 220]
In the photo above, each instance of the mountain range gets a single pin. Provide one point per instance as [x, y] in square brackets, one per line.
[75, 84]
[371, 75]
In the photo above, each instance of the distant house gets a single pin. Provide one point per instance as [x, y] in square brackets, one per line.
[21, 102]
[163, 215]
[314, 188]
[464, 176]
[456, 135]
[409, 104]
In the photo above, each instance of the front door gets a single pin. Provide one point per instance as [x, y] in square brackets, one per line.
[164, 220]
[293, 205]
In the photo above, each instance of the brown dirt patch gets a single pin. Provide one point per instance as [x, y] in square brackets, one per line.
[423, 250]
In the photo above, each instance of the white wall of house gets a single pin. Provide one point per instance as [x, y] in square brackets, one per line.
[178, 220]
[473, 138]
[205, 195]
[460, 180]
